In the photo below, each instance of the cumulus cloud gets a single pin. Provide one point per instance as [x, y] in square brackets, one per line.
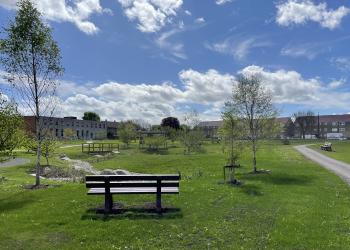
[77, 12]
[301, 11]
[151, 15]
[239, 47]
[289, 87]
[222, 2]
[204, 90]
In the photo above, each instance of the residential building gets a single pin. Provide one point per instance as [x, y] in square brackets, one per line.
[325, 126]
[72, 128]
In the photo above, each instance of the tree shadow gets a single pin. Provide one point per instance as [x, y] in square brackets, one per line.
[120, 212]
[15, 202]
[280, 179]
[155, 152]
[251, 190]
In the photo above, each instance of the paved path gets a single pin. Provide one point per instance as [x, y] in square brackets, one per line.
[14, 162]
[340, 168]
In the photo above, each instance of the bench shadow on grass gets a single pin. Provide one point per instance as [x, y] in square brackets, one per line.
[120, 212]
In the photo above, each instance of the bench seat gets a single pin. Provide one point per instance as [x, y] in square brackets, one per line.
[108, 185]
[134, 190]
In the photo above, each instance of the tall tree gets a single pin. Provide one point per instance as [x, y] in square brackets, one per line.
[252, 104]
[305, 121]
[289, 129]
[32, 60]
[171, 122]
[91, 116]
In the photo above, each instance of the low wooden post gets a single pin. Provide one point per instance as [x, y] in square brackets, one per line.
[159, 196]
[108, 196]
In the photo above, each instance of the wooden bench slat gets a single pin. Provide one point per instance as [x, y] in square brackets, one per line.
[164, 190]
[132, 184]
[132, 177]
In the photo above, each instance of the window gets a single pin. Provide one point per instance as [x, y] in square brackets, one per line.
[342, 129]
[334, 130]
[99, 125]
[334, 124]
[56, 132]
[61, 132]
[342, 123]
[78, 133]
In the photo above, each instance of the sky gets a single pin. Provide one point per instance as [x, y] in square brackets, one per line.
[149, 59]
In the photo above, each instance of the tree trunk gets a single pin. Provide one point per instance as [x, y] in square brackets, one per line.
[37, 118]
[38, 154]
[254, 156]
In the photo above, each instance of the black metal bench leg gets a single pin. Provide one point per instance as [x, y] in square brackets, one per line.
[159, 203]
[108, 203]
[159, 197]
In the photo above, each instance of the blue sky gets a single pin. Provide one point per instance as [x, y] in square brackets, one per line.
[147, 59]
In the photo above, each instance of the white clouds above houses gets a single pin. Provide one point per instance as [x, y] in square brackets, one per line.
[76, 12]
[297, 12]
[150, 15]
[207, 90]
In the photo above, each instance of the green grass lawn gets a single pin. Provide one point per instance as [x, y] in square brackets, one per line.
[341, 150]
[297, 206]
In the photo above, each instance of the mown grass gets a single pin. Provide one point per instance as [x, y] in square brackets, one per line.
[297, 206]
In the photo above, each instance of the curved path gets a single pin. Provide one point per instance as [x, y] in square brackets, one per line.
[14, 162]
[340, 168]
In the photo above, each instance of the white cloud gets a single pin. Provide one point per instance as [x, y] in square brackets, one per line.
[200, 20]
[307, 50]
[164, 41]
[188, 13]
[238, 47]
[77, 12]
[151, 15]
[342, 63]
[152, 102]
[222, 2]
[301, 11]
[289, 87]
[206, 90]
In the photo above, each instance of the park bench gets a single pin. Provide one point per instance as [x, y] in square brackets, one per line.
[327, 147]
[108, 185]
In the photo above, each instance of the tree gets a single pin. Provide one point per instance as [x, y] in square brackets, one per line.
[232, 136]
[191, 136]
[289, 129]
[171, 122]
[305, 121]
[49, 146]
[11, 126]
[252, 104]
[127, 132]
[69, 133]
[91, 116]
[32, 60]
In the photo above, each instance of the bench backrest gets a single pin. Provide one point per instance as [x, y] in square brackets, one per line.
[109, 181]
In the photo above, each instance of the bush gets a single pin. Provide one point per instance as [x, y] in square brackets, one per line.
[285, 142]
[154, 143]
